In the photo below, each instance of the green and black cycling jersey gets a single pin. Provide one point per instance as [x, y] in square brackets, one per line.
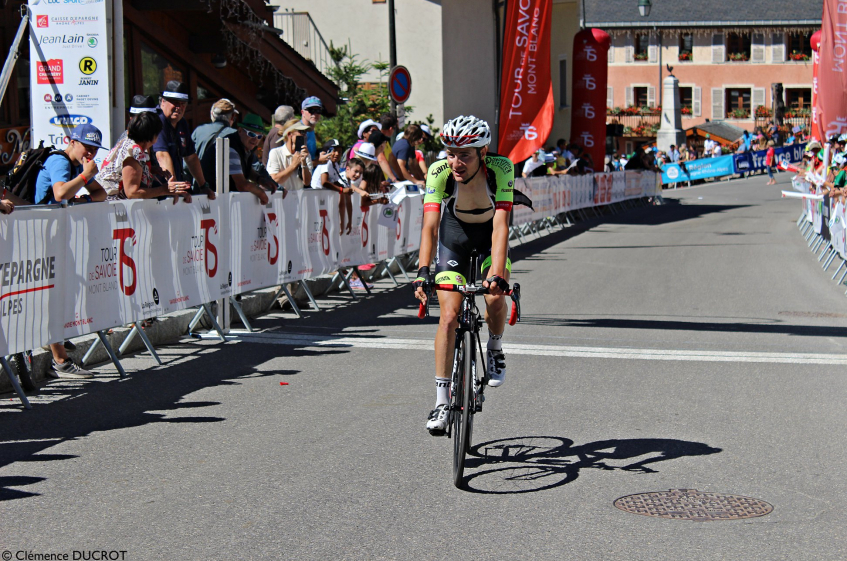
[457, 238]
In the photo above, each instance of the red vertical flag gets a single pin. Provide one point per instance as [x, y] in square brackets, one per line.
[590, 76]
[831, 110]
[815, 41]
[526, 92]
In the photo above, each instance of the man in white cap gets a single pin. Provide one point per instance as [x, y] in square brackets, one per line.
[174, 144]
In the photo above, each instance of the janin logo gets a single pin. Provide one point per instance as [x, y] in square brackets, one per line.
[70, 120]
[87, 65]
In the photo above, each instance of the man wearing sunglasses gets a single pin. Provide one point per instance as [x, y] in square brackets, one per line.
[312, 109]
[175, 144]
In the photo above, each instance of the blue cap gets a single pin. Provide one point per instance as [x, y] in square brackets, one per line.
[311, 102]
[88, 135]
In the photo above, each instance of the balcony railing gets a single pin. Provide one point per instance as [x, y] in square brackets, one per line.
[301, 33]
[642, 125]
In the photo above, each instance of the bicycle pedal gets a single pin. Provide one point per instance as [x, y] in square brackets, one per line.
[436, 432]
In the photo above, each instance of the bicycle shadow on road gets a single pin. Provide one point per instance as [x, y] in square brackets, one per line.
[538, 463]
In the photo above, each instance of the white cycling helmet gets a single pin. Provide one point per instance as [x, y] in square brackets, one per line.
[465, 132]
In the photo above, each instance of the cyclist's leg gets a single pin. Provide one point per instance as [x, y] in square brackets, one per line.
[496, 309]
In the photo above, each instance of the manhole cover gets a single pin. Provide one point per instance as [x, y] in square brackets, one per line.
[691, 504]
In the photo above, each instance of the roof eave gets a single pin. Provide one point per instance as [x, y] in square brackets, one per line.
[683, 24]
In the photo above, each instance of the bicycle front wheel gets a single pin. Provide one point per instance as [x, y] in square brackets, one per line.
[462, 417]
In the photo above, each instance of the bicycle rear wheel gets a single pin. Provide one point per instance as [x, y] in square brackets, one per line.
[462, 417]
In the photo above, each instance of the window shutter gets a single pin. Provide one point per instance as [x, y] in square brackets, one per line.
[757, 48]
[629, 49]
[718, 48]
[653, 49]
[611, 57]
[758, 99]
[695, 101]
[629, 96]
[610, 97]
[651, 96]
[778, 49]
[717, 104]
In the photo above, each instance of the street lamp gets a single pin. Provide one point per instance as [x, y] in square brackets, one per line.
[644, 7]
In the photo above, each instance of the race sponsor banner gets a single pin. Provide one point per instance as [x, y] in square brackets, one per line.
[255, 244]
[697, 169]
[815, 41]
[526, 106]
[590, 75]
[33, 283]
[69, 70]
[831, 108]
[755, 161]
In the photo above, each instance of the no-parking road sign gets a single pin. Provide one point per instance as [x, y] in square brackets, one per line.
[400, 84]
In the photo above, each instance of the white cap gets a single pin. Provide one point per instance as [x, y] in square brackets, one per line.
[367, 151]
[365, 125]
[398, 137]
[426, 129]
[442, 155]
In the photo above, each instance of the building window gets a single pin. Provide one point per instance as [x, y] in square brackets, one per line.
[640, 96]
[738, 46]
[686, 100]
[800, 46]
[738, 103]
[156, 71]
[798, 98]
[563, 83]
[642, 46]
[686, 46]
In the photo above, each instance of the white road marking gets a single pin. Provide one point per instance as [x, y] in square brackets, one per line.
[623, 353]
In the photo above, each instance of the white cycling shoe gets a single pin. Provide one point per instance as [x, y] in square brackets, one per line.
[438, 420]
[496, 368]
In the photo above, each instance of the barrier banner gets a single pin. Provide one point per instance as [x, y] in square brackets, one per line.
[69, 70]
[698, 169]
[755, 161]
[590, 76]
[825, 209]
[831, 108]
[33, 282]
[526, 106]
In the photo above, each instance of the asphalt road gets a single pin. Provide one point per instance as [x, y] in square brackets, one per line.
[696, 345]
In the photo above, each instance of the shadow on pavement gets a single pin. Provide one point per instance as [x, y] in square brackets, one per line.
[536, 463]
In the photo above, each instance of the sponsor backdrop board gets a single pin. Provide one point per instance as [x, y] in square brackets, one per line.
[69, 70]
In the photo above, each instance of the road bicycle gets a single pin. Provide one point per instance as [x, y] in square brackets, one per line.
[467, 386]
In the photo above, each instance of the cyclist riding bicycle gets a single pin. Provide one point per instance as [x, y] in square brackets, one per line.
[467, 204]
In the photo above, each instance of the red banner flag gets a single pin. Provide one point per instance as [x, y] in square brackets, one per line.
[526, 92]
[590, 76]
[832, 71]
[815, 41]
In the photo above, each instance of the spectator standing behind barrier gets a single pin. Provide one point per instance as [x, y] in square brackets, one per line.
[282, 115]
[328, 176]
[126, 170]
[311, 110]
[288, 166]
[174, 145]
[674, 154]
[388, 126]
[769, 161]
[379, 140]
[708, 146]
[404, 151]
[365, 128]
[373, 181]
[223, 114]
[62, 176]
[246, 172]
[534, 162]
[419, 155]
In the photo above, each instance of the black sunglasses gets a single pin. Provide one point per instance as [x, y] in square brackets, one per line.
[314, 110]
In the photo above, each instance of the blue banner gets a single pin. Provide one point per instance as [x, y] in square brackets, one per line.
[755, 161]
[698, 169]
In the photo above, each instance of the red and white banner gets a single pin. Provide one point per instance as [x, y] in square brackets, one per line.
[815, 41]
[832, 71]
[590, 76]
[526, 91]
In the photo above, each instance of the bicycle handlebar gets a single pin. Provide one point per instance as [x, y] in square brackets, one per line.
[514, 293]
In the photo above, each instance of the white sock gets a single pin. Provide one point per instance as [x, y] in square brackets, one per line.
[442, 391]
[495, 342]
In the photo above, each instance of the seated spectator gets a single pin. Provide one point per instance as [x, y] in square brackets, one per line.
[404, 151]
[288, 166]
[126, 172]
[61, 178]
[282, 115]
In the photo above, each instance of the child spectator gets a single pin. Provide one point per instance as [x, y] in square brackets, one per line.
[328, 176]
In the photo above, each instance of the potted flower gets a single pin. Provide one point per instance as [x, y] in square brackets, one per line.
[627, 131]
[641, 56]
[613, 111]
[739, 57]
[797, 55]
[685, 55]
[686, 110]
[762, 111]
[739, 114]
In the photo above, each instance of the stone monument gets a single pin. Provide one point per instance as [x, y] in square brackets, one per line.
[670, 129]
